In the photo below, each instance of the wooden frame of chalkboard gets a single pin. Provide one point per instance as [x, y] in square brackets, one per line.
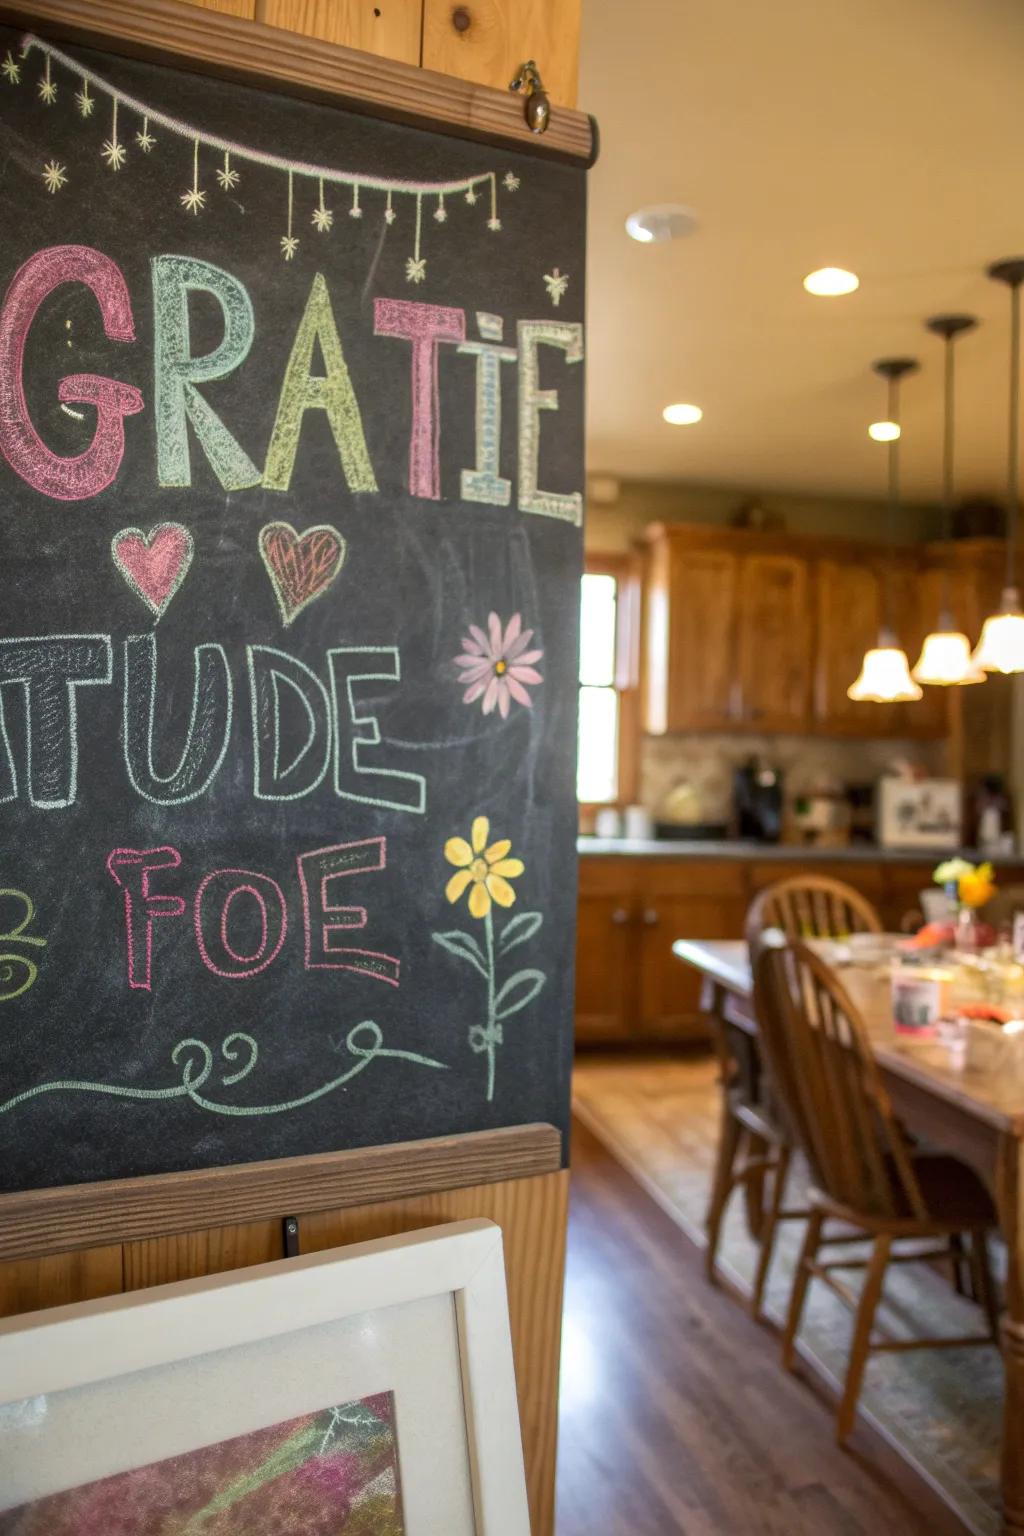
[38, 1222]
[210, 42]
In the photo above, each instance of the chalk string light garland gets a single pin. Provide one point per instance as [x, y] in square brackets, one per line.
[193, 199]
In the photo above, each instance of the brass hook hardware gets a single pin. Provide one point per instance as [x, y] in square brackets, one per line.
[537, 108]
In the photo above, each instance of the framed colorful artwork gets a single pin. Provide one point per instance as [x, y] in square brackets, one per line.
[366, 1391]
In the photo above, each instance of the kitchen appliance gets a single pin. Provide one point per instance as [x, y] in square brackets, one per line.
[918, 813]
[757, 802]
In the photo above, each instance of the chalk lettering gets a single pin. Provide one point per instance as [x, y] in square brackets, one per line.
[131, 868]
[485, 483]
[331, 392]
[424, 325]
[532, 400]
[50, 669]
[209, 726]
[354, 776]
[211, 915]
[177, 372]
[317, 872]
[88, 473]
[270, 672]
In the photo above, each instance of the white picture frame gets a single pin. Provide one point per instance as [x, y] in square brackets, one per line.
[423, 1315]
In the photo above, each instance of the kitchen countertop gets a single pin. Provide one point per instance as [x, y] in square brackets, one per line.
[855, 853]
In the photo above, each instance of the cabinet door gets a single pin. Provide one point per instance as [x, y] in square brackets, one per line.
[774, 659]
[685, 900]
[849, 609]
[916, 602]
[605, 950]
[694, 621]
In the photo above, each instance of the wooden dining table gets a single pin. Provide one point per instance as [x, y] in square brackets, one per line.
[978, 1115]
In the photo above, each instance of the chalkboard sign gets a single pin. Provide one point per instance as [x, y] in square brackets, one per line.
[290, 502]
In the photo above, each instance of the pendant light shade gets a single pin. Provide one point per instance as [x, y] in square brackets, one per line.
[945, 659]
[885, 676]
[885, 671]
[1001, 646]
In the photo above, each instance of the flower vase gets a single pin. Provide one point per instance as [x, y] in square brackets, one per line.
[966, 934]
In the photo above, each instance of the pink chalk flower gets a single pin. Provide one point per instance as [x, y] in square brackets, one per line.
[498, 667]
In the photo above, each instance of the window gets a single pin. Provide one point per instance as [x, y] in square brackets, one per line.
[606, 723]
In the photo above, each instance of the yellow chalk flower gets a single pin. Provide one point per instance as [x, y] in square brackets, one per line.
[485, 870]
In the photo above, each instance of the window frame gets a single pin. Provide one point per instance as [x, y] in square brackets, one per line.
[625, 570]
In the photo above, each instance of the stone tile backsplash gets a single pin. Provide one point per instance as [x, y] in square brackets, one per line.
[706, 762]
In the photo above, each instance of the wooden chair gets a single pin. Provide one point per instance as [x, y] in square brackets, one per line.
[865, 1173]
[754, 1145]
[812, 907]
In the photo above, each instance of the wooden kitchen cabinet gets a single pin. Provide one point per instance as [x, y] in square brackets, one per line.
[773, 641]
[747, 631]
[605, 983]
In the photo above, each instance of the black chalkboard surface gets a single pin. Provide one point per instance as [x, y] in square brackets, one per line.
[290, 500]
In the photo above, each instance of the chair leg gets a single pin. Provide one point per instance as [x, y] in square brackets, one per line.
[801, 1280]
[984, 1285]
[959, 1262]
[728, 1144]
[861, 1341]
[771, 1222]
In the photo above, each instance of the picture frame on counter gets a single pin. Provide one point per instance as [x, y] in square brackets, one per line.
[369, 1387]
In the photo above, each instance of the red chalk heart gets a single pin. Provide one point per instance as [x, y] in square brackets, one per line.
[153, 564]
[301, 566]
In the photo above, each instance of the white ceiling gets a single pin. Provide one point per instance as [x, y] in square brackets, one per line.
[886, 136]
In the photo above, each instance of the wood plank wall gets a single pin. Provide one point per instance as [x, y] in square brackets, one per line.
[483, 41]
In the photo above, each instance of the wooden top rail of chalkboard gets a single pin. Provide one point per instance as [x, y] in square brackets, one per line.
[37, 1222]
[211, 42]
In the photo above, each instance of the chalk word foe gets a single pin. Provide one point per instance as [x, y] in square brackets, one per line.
[240, 917]
[302, 728]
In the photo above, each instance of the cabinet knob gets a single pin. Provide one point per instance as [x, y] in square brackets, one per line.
[650, 917]
[620, 916]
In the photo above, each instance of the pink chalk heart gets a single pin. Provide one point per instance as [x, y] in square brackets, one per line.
[301, 566]
[153, 564]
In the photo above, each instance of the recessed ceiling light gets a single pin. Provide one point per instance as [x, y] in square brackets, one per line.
[884, 431]
[662, 221]
[682, 415]
[830, 282]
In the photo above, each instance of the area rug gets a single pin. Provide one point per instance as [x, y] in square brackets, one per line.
[941, 1408]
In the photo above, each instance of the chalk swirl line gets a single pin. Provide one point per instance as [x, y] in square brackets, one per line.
[196, 1071]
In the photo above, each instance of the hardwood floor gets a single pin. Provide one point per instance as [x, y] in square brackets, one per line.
[676, 1418]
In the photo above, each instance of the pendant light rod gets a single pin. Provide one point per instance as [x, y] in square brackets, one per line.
[1011, 273]
[949, 327]
[892, 369]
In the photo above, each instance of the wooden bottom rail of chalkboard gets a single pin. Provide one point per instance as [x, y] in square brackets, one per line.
[34, 1223]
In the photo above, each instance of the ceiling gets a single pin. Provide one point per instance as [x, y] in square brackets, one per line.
[885, 136]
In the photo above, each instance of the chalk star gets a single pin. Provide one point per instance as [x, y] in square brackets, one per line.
[11, 68]
[114, 153]
[289, 245]
[193, 200]
[556, 283]
[145, 140]
[54, 175]
[228, 178]
[471, 195]
[85, 101]
[494, 223]
[48, 91]
[416, 269]
[355, 212]
[390, 216]
[511, 181]
[323, 218]
[440, 213]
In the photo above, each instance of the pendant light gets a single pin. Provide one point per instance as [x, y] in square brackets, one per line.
[945, 658]
[885, 673]
[1001, 647]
